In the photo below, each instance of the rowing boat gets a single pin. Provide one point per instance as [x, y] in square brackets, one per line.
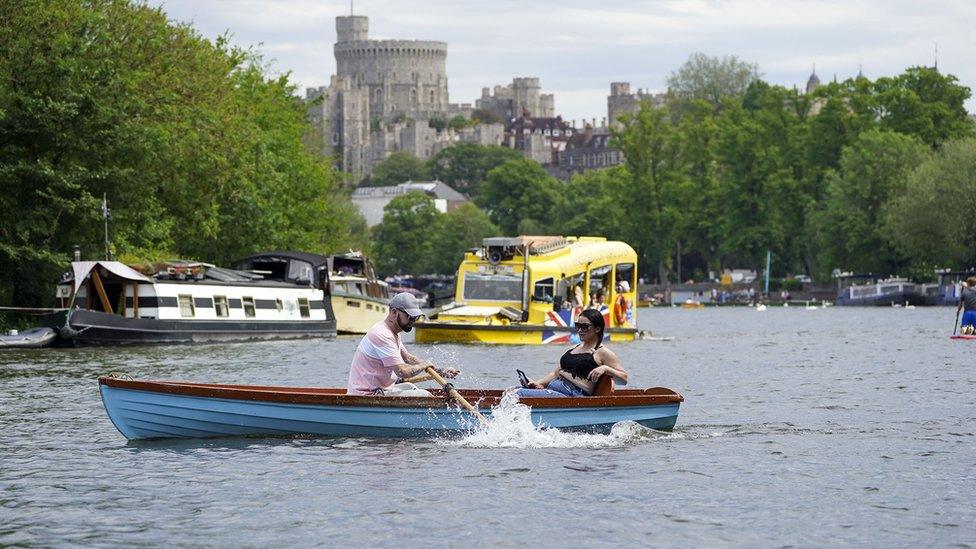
[142, 409]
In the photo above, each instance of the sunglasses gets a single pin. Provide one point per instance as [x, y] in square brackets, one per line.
[583, 327]
[412, 318]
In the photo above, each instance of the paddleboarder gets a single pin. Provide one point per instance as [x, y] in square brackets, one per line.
[967, 303]
[580, 367]
[381, 359]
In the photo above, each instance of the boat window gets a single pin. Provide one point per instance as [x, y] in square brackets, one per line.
[625, 273]
[599, 280]
[220, 305]
[186, 305]
[278, 305]
[303, 307]
[300, 271]
[248, 306]
[357, 288]
[340, 287]
[544, 290]
[492, 287]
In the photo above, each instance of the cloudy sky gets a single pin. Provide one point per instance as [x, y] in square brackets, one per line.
[578, 47]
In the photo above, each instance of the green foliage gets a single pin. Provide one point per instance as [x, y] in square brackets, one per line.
[518, 191]
[199, 153]
[397, 168]
[463, 166]
[872, 171]
[931, 222]
[401, 242]
[924, 103]
[712, 79]
[458, 231]
[483, 116]
[651, 202]
[437, 123]
[458, 122]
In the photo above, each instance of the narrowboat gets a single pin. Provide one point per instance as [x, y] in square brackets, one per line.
[872, 292]
[531, 289]
[276, 295]
[359, 299]
[169, 409]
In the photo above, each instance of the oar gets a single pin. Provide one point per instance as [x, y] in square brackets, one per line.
[417, 379]
[454, 394]
[956, 325]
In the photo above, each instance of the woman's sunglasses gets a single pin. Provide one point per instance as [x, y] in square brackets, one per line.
[583, 327]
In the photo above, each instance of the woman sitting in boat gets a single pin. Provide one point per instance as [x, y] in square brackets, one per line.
[580, 367]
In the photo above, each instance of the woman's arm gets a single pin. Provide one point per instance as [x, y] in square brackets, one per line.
[608, 364]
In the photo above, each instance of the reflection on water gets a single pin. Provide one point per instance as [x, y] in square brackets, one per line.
[839, 426]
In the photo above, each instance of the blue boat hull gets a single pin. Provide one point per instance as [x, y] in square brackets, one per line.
[142, 414]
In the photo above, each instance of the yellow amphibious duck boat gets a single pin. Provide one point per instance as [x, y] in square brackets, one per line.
[531, 289]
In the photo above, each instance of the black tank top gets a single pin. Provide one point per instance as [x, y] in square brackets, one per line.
[578, 365]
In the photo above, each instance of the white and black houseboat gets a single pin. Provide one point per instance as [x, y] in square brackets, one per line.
[275, 295]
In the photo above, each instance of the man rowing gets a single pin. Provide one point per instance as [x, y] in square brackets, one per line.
[381, 360]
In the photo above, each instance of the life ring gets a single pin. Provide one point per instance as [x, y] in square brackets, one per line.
[620, 310]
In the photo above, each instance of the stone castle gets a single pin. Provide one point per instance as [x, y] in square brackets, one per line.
[385, 93]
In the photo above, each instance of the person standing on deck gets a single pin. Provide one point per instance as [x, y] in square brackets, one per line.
[381, 359]
[967, 302]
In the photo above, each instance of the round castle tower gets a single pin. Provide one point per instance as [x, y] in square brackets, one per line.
[401, 76]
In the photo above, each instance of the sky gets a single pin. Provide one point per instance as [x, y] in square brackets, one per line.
[577, 48]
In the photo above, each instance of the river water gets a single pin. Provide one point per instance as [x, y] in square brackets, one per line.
[800, 427]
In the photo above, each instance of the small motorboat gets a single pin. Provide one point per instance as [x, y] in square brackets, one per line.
[963, 336]
[28, 339]
[143, 409]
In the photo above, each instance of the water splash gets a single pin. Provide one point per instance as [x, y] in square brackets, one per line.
[510, 426]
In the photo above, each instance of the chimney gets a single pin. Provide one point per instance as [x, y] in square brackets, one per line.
[593, 122]
[603, 124]
[76, 254]
[587, 134]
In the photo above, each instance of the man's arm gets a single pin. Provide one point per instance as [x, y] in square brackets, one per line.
[413, 365]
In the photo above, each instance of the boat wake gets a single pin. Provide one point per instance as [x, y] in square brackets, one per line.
[510, 426]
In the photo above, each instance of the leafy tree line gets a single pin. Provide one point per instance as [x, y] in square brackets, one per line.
[871, 176]
[197, 147]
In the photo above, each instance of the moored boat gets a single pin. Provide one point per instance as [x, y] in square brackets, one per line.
[530, 289]
[277, 295]
[169, 409]
[359, 299]
[884, 293]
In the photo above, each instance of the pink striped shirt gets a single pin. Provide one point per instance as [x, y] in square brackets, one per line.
[372, 365]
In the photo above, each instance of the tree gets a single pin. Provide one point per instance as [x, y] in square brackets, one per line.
[595, 204]
[463, 166]
[712, 78]
[873, 170]
[199, 152]
[923, 102]
[458, 122]
[484, 116]
[401, 242]
[651, 206]
[458, 231]
[932, 221]
[519, 190]
[397, 168]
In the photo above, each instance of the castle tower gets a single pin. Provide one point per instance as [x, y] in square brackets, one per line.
[813, 82]
[352, 28]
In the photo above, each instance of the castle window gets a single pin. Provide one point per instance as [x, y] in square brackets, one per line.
[303, 307]
[431, 96]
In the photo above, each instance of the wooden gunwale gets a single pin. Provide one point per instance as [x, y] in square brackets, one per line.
[655, 396]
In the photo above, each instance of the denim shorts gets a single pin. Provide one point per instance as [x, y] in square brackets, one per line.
[558, 387]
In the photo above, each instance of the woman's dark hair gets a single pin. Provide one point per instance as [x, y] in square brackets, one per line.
[596, 318]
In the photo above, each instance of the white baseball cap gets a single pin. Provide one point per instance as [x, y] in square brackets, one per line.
[406, 303]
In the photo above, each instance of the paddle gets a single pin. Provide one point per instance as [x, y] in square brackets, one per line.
[454, 394]
[417, 379]
[956, 325]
